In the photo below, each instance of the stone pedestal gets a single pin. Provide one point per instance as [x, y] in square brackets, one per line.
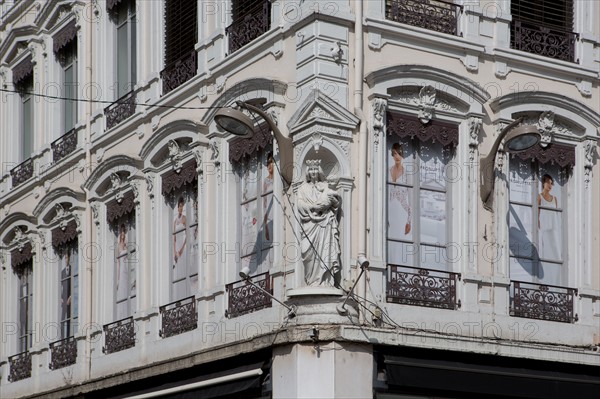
[322, 305]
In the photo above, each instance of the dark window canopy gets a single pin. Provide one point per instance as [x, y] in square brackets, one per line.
[116, 209]
[19, 258]
[23, 71]
[562, 155]
[173, 181]
[410, 126]
[65, 36]
[241, 148]
[62, 236]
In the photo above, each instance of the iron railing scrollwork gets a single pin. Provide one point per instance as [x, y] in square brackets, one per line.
[20, 366]
[543, 302]
[244, 298]
[437, 15]
[120, 110]
[422, 287]
[179, 72]
[64, 145]
[22, 172]
[248, 27]
[178, 317]
[543, 40]
[63, 353]
[119, 336]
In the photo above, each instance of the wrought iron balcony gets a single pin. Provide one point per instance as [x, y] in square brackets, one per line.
[178, 317]
[543, 40]
[120, 110]
[244, 298]
[20, 366]
[63, 353]
[248, 27]
[178, 73]
[437, 15]
[422, 287]
[544, 302]
[22, 172]
[64, 145]
[119, 336]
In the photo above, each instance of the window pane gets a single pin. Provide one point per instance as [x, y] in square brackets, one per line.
[521, 231]
[521, 181]
[249, 180]
[251, 263]
[401, 162]
[267, 222]
[432, 167]
[400, 253]
[550, 273]
[27, 133]
[70, 84]
[122, 61]
[521, 270]
[433, 257]
[433, 217]
[552, 176]
[249, 228]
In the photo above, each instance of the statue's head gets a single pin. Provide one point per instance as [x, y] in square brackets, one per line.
[314, 172]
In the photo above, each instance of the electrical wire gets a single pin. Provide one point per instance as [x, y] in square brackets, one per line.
[86, 100]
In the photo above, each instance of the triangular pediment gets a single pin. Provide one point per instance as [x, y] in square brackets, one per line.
[320, 109]
[53, 14]
[16, 43]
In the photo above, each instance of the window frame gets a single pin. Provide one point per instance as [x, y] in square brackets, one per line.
[129, 23]
[25, 281]
[68, 59]
[72, 280]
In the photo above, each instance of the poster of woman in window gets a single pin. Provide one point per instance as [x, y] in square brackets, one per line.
[399, 195]
[549, 220]
[125, 262]
[183, 243]
[432, 198]
[68, 290]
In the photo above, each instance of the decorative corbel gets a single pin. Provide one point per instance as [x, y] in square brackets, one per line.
[95, 212]
[474, 129]
[317, 141]
[501, 154]
[175, 155]
[214, 147]
[427, 97]
[150, 183]
[545, 126]
[116, 183]
[135, 187]
[199, 164]
[379, 106]
[588, 161]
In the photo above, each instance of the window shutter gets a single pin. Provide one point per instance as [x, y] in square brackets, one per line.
[181, 28]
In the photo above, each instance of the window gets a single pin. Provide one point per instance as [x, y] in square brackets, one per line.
[256, 210]
[551, 13]
[26, 88]
[181, 36]
[250, 19]
[122, 224]
[25, 325]
[417, 203]
[69, 283]
[68, 61]
[125, 20]
[537, 210]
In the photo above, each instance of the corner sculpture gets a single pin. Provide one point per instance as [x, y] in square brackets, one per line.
[318, 207]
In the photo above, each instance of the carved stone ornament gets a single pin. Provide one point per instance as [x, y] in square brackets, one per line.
[426, 104]
[149, 183]
[116, 183]
[474, 129]
[175, 155]
[379, 106]
[65, 36]
[173, 181]
[241, 148]
[199, 164]
[562, 155]
[588, 161]
[62, 235]
[94, 206]
[545, 126]
[116, 209]
[409, 126]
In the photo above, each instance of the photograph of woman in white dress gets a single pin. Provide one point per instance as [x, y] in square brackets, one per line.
[179, 239]
[399, 208]
[549, 221]
[121, 259]
[268, 199]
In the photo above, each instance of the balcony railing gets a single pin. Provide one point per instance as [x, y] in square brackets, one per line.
[22, 172]
[248, 27]
[178, 317]
[178, 73]
[64, 145]
[422, 287]
[245, 298]
[544, 302]
[543, 40]
[437, 15]
[120, 110]
[119, 336]
[63, 353]
[20, 366]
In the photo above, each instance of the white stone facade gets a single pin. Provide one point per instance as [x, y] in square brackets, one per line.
[330, 74]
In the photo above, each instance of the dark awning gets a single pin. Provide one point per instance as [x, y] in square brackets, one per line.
[487, 378]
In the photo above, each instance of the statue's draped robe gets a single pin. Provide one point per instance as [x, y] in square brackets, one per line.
[318, 207]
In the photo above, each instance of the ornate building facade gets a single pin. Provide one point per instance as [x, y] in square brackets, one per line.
[146, 251]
